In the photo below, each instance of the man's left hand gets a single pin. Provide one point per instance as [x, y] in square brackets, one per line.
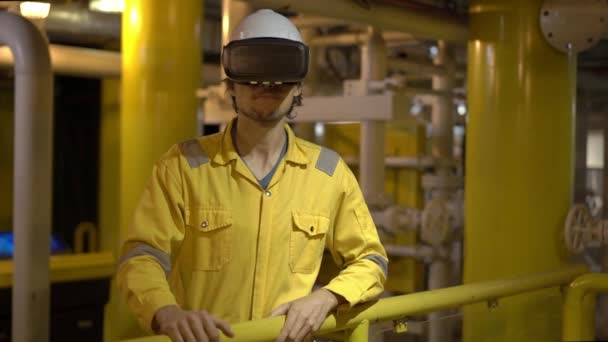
[305, 315]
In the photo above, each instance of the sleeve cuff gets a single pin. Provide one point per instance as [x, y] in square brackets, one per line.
[150, 304]
[338, 287]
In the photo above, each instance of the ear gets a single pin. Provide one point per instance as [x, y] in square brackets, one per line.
[298, 90]
[230, 87]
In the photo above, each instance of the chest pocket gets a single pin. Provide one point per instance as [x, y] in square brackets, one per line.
[211, 237]
[307, 241]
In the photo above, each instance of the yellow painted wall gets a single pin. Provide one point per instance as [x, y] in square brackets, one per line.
[406, 139]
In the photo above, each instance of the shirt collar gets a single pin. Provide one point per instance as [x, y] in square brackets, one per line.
[228, 153]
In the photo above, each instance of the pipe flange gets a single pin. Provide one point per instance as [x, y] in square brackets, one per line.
[577, 221]
[435, 222]
[573, 26]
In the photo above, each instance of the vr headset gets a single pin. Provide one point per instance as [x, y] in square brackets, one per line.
[265, 60]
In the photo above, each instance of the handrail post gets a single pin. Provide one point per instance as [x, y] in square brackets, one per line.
[360, 333]
[579, 307]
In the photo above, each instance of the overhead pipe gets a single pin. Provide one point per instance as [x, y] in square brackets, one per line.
[77, 24]
[304, 22]
[382, 17]
[32, 177]
[347, 39]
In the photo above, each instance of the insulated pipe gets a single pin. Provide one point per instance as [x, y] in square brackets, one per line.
[304, 22]
[347, 39]
[382, 17]
[77, 24]
[306, 130]
[33, 177]
[371, 170]
[521, 110]
[442, 139]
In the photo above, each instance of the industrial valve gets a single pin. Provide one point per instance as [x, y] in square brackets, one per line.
[582, 230]
[436, 217]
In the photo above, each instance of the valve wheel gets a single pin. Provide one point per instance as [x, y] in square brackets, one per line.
[577, 221]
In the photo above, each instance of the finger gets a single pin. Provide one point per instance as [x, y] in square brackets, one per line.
[287, 327]
[223, 326]
[306, 331]
[281, 310]
[320, 319]
[210, 328]
[175, 336]
[198, 330]
[303, 336]
[186, 332]
[300, 328]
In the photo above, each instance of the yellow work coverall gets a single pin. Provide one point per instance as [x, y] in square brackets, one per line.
[206, 236]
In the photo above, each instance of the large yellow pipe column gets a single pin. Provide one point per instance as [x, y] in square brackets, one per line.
[161, 59]
[521, 95]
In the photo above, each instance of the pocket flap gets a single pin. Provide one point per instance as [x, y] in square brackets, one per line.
[311, 224]
[206, 220]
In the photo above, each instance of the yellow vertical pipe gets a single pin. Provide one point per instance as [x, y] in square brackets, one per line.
[521, 95]
[109, 188]
[161, 69]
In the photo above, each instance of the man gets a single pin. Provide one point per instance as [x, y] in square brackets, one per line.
[232, 226]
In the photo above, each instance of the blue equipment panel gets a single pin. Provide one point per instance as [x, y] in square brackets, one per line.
[7, 245]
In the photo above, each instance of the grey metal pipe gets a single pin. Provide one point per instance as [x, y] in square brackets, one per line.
[76, 24]
[383, 17]
[32, 177]
[77, 61]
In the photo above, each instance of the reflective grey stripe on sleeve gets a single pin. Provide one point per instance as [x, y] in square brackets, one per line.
[192, 150]
[145, 249]
[328, 161]
[380, 261]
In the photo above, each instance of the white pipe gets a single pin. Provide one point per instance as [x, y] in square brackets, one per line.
[441, 148]
[371, 170]
[32, 177]
[383, 17]
[306, 130]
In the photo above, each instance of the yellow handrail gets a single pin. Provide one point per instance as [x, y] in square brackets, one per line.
[398, 307]
[579, 307]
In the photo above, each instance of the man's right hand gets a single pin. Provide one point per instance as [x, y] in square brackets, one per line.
[189, 326]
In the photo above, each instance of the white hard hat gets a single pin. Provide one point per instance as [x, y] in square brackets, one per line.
[266, 23]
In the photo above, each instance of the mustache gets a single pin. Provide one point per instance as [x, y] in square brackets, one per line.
[276, 94]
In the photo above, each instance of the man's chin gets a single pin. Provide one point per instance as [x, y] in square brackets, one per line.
[266, 119]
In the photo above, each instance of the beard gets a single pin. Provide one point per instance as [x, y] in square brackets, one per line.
[267, 119]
